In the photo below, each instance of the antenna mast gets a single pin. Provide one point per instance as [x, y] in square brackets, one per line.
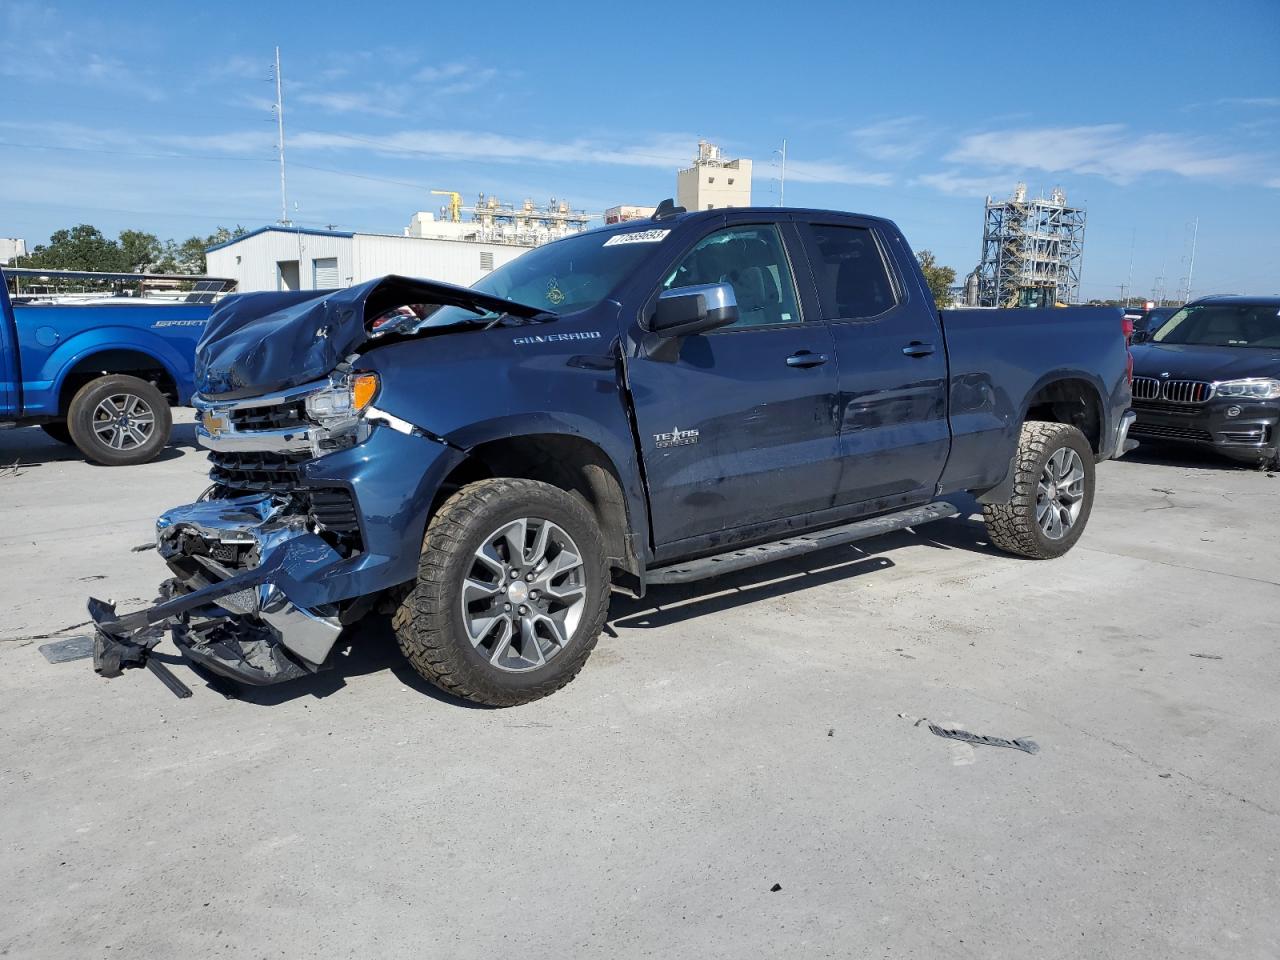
[1191, 266]
[284, 204]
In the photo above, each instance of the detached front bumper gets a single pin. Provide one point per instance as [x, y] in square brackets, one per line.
[233, 606]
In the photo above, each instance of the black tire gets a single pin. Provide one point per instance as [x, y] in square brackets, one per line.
[57, 431]
[85, 414]
[1014, 526]
[430, 624]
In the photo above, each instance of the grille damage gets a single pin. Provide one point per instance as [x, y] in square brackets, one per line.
[332, 510]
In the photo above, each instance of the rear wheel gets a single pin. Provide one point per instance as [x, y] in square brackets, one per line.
[57, 431]
[511, 595]
[119, 420]
[1052, 493]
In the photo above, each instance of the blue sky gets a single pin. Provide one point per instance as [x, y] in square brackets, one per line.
[1152, 114]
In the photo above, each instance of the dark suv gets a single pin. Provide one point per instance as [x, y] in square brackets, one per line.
[1210, 375]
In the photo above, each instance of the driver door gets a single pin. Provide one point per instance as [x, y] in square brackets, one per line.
[738, 425]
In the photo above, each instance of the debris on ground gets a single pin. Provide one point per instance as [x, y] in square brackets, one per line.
[1165, 776]
[142, 547]
[63, 651]
[1023, 744]
[831, 732]
[907, 716]
[1207, 656]
[775, 888]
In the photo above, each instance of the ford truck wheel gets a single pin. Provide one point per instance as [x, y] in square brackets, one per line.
[119, 420]
[1052, 493]
[511, 595]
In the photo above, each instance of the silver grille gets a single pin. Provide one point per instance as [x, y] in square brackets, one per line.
[1174, 391]
[1146, 388]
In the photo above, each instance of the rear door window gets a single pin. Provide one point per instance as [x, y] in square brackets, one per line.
[853, 282]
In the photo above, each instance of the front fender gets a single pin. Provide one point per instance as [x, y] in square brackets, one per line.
[474, 387]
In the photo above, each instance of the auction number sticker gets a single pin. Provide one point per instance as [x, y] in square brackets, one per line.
[637, 236]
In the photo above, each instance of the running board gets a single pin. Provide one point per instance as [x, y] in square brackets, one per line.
[798, 545]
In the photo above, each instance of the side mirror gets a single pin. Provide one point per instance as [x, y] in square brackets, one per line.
[688, 310]
[1140, 336]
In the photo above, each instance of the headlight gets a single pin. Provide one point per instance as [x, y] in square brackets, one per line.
[344, 399]
[1254, 388]
[336, 410]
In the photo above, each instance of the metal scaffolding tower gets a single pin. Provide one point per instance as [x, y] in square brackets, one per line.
[1032, 251]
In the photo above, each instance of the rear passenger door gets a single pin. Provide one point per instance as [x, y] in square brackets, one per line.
[894, 436]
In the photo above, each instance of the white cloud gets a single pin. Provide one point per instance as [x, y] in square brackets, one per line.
[1108, 150]
[896, 140]
[957, 184]
[1250, 101]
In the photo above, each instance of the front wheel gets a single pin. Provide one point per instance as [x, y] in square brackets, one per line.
[511, 595]
[118, 420]
[1052, 493]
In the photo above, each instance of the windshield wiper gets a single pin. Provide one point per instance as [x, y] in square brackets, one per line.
[544, 317]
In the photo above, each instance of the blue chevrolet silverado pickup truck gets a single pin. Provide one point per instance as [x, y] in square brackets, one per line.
[100, 375]
[644, 404]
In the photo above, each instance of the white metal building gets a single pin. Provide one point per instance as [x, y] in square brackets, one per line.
[297, 258]
[11, 247]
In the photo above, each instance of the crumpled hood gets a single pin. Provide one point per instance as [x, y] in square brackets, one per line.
[1191, 362]
[258, 343]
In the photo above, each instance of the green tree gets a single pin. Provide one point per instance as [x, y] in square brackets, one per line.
[141, 252]
[189, 255]
[82, 247]
[940, 279]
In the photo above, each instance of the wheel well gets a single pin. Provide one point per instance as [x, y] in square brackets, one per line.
[1073, 402]
[131, 362]
[570, 463]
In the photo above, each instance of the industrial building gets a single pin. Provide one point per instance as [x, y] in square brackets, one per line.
[713, 182]
[627, 211]
[444, 247]
[1032, 251]
[297, 258]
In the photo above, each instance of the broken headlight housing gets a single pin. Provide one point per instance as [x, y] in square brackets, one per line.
[1252, 388]
[338, 410]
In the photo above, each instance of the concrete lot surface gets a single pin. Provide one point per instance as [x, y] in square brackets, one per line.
[724, 739]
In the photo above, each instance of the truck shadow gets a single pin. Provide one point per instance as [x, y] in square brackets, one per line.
[666, 605]
[370, 645]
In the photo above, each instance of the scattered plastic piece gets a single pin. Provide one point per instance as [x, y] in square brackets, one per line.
[141, 547]
[63, 651]
[1023, 744]
[831, 732]
[1207, 656]
[1165, 776]
[775, 888]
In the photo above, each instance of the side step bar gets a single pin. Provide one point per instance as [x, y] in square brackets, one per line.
[797, 545]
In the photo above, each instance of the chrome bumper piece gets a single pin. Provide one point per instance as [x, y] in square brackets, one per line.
[232, 606]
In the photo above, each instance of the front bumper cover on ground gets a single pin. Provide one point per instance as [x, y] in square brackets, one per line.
[238, 620]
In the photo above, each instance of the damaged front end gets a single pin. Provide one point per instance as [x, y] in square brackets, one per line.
[306, 527]
[237, 564]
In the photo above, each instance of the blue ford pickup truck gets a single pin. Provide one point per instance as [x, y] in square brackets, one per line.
[650, 403]
[101, 375]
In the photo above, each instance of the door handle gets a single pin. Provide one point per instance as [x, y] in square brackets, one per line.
[917, 348]
[804, 358]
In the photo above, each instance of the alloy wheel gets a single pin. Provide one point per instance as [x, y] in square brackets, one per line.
[524, 594]
[1060, 493]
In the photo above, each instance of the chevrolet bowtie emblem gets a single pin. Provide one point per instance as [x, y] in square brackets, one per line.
[213, 423]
